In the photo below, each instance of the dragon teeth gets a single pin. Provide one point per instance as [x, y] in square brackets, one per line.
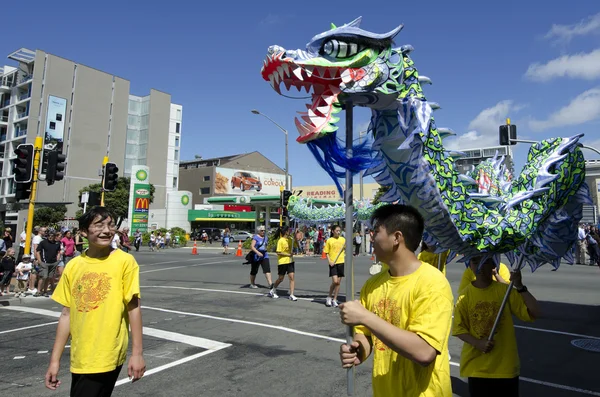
[288, 84]
[298, 73]
[320, 71]
[308, 70]
[286, 69]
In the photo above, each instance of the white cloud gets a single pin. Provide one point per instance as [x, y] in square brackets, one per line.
[484, 127]
[565, 33]
[583, 108]
[593, 143]
[582, 65]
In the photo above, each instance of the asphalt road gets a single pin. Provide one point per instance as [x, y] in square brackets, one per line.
[206, 333]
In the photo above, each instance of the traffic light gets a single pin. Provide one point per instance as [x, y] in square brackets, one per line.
[23, 164]
[508, 133]
[23, 191]
[110, 177]
[56, 166]
[285, 198]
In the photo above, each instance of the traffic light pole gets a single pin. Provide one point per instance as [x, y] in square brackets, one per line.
[280, 206]
[104, 161]
[39, 143]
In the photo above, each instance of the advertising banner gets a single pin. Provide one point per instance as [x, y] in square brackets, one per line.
[139, 199]
[54, 129]
[231, 181]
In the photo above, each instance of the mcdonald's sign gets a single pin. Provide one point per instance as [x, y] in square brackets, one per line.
[142, 204]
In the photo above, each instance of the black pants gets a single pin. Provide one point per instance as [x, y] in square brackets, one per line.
[94, 385]
[492, 387]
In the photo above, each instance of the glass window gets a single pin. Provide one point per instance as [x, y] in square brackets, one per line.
[179, 114]
[205, 190]
[133, 120]
[206, 178]
[175, 182]
[134, 106]
[176, 155]
[177, 127]
[177, 141]
[145, 106]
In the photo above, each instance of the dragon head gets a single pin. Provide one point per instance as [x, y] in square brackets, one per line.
[344, 63]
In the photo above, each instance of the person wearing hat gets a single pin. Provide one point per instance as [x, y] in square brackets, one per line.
[23, 271]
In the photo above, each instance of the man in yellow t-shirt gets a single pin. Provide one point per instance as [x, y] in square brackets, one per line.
[500, 274]
[285, 263]
[99, 292]
[404, 314]
[335, 248]
[491, 364]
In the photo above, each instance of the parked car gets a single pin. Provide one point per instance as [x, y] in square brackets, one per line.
[240, 235]
[245, 181]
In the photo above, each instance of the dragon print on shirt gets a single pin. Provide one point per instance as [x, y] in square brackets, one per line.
[90, 291]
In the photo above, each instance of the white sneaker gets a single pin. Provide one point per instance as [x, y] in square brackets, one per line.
[334, 303]
[273, 294]
[253, 286]
[328, 301]
[292, 298]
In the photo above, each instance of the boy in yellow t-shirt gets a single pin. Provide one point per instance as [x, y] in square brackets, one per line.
[428, 255]
[285, 262]
[500, 274]
[404, 314]
[335, 248]
[491, 365]
[99, 292]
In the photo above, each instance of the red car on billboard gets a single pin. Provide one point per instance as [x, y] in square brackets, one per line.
[245, 180]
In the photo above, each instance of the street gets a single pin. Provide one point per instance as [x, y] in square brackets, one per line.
[207, 333]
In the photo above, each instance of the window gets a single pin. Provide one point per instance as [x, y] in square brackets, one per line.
[178, 114]
[176, 155]
[206, 178]
[174, 182]
[205, 190]
[177, 141]
[177, 127]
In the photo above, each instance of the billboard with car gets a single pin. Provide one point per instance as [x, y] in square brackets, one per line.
[231, 181]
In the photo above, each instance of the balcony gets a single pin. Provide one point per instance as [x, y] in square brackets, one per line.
[22, 115]
[27, 95]
[2, 138]
[4, 119]
[19, 133]
[24, 78]
[6, 103]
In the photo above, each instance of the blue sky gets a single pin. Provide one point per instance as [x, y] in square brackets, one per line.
[538, 64]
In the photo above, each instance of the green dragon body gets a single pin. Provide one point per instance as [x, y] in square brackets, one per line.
[536, 213]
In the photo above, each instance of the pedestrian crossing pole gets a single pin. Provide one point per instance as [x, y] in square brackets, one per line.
[104, 161]
[349, 259]
[281, 206]
[37, 146]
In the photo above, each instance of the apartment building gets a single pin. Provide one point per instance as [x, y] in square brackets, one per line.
[89, 114]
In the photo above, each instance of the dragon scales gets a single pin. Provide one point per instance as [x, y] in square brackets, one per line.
[536, 213]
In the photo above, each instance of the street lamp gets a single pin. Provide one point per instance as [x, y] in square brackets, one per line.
[287, 170]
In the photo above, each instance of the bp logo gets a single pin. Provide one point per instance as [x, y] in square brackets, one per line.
[141, 175]
[185, 199]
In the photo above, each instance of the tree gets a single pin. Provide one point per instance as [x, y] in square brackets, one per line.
[117, 201]
[49, 216]
[382, 190]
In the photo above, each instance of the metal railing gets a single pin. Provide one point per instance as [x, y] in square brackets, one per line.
[22, 115]
[20, 133]
[4, 119]
[24, 96]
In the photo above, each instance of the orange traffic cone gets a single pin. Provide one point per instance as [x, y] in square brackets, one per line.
[195, 249]
[373, 257]
[239, 249]
[323, 255]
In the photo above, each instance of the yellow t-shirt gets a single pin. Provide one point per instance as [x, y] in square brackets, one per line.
[468, 276]
[334, 247]
[434, 259]
[475, 313]
[421, 303]
[97, 292]
[284, 245]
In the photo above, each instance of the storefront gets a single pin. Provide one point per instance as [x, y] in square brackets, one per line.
[221, 219]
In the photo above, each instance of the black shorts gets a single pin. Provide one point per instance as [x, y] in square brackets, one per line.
[94, 385]
[336, 270]
[288, 268]
[264, 263]
[491, 387]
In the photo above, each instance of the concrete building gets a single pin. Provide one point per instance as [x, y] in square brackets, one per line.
[90, 114]
[240, 174]
[473, 157]
[591, 214]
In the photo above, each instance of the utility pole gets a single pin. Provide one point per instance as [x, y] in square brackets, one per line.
[39, 143]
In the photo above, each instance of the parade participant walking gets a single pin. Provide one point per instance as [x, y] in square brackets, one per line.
[404, 314]
[261, 257]
[335, 248]
[226, 238]
[492, 367]
[285, 260]
[100, 295]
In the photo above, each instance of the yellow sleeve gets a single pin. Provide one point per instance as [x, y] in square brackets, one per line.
[131, 280]
[364, 292]
[431, 313]
[518, 307]
[281, 245]
[460, 324]
[504, 272]
[62, 292]
[467, 277]
[327, 246]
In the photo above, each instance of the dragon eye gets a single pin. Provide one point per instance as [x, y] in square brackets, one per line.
[340, 49]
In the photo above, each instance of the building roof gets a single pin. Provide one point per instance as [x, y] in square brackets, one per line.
[214, 160]
[223, 161]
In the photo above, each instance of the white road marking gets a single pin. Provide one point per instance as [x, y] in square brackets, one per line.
[187, 339]
[18, 357]
[166, 263]
[31, 326]
[42, 352]
[179, 267]
[294, 331]
[312, 299]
